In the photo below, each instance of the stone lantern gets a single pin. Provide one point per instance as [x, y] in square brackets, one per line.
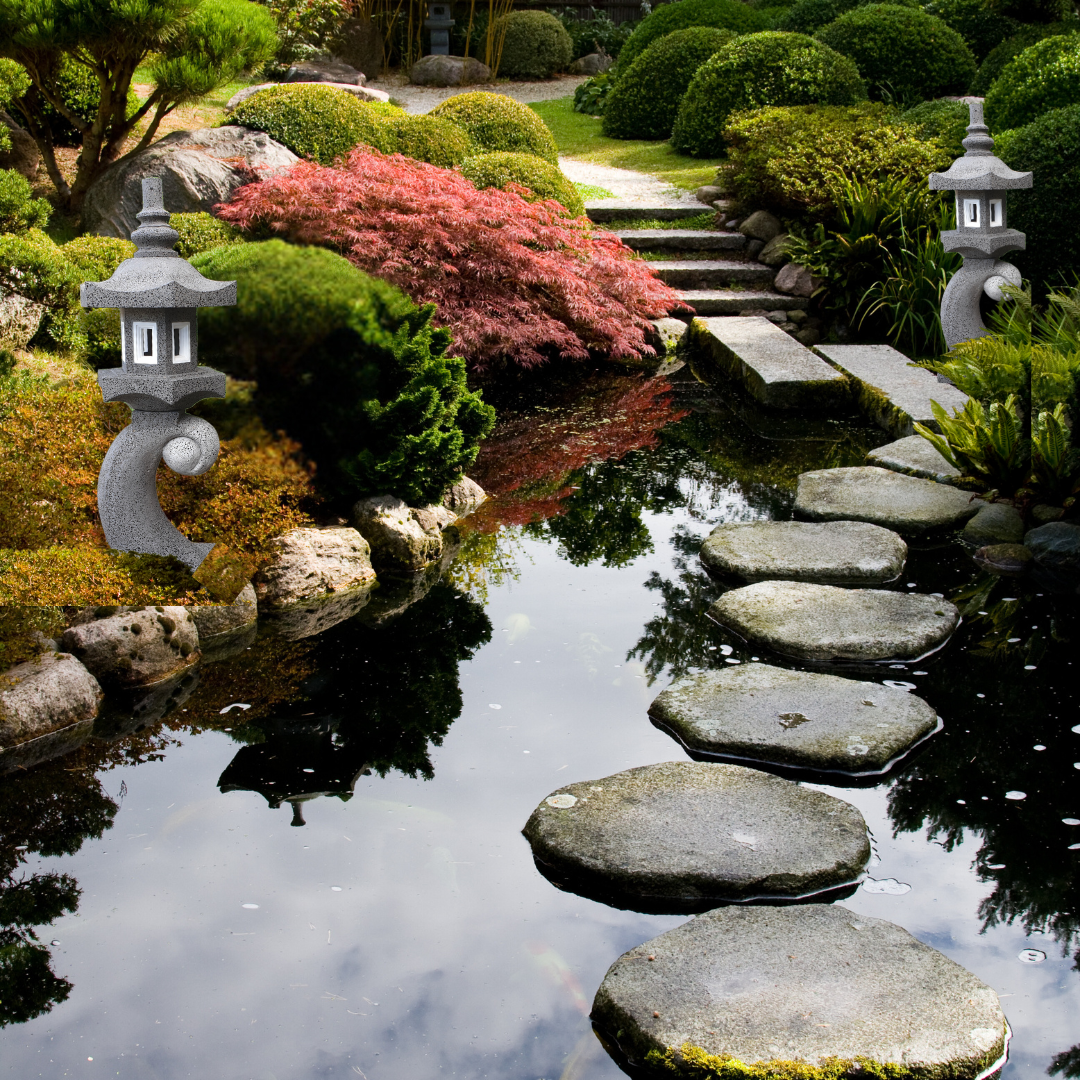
[158, 294]
[981, 182]
[439, 23]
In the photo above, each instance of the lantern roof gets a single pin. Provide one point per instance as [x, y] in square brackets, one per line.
[979, 169]
[156, 276]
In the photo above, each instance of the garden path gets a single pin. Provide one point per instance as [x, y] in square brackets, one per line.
[422, 99]
[627, 186]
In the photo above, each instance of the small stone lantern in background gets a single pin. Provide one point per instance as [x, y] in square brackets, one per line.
[439, 23]
[158, 294]
[981, 182]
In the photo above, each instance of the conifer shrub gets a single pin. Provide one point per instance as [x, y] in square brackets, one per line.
[18, 208]
[903, 53]
[645, 101]
[1043, 77]
[508, 171]
[497, 122]
[428, 138]
[202, 231]
[999, 58]
[771, 68]
[535, 45]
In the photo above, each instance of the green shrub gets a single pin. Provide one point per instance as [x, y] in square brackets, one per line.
[667, 18]
[18, 208]
[497, 122]
[770, 68]
[809, 16]
[595, 34]
[1043, 77]
[543, 179]
[32, 266]
[317, 122]
[645, 100]
[535, 45]
[349, 366]
[94, 258]
[790, 158]
[903, 53]
[592, 95]
[942, 120]
[201, 232]
[428, 138]
[982, 28]
[1002, 55]
[1050, 148]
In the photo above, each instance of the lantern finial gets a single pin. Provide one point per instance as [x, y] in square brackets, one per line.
[154, 237]
[978, 142]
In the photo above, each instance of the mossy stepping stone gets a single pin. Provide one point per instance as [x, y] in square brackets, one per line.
[914, 456]
[823, 622]
[836, 552]
[795, 719]
[794, 987]
[684, 836]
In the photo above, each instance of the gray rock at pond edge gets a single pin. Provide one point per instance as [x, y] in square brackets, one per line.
[681, 834]
[914, 456]
[198, 169]
[761, 225]
[807, 983]
[305, 618]
[593, 64]
[399, 542]
[834, 552]
[1007, 560]
[823, 622]
[669, 332]
[1055, 546]
[994, 523]
[802, 720]
[51, 691]
[137, 647]
[363, 93]
[907, 504]
[796, 281]
[774, 253]
[309, 563]
[464, 497]
[449, 71]
[213, 620]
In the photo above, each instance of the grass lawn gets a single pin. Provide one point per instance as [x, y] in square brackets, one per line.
[578, 136]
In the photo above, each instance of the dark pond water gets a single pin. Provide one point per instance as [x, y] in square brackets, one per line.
[403, 932]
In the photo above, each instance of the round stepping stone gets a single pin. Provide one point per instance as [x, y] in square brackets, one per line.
[836, 552]
[796, 719]
[823, 622]
[686, 835]
[866, 493]
[800, 983]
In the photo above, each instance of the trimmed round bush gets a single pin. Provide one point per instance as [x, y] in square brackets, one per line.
[95, 258]
[544, 180]
[1043, 77]
[809, 16]
[982, 28]
[428, 138]
[941, 120]
[201, 232]
[999, 58]
[645, 100]
[901, 52]
[667, 18]
[771, 68]
[497, 122]
[536, 45]
[313, 121]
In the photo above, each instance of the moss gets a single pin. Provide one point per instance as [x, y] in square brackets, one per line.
[18, 641]
[691, 1060]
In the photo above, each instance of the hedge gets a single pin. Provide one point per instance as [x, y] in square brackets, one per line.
[535, 45]
[1043, 77]
[999, 58]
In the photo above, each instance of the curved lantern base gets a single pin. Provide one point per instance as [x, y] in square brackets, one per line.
[961, 319]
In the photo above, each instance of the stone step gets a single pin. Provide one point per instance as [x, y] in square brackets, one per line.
[893, 393]
[771, 366]
[608, 210]
[705, 274]
[914, 456]
[710, 302]
[681, 239]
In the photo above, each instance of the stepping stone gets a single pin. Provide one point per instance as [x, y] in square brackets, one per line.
[914, 456]
[823, 622]
[685, 836]
[709, 273]
[767, 715]
[770, 365]
[806, 984]
[893, 393]
[713, 302]
[906, 504]
[681, 240]
[832, 552]
[604, 211]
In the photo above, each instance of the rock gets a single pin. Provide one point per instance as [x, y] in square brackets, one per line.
[794, 719]
[836, 552]
[774, 253]
[136, 647]
[823, 622]
[449, 71]
[19, 320]
[127, 711]
[808, 336]
[464, 497]
[914, 456]
[1055, 546]
[24, 156]
[761, 225]
[226, 629]
[49, 692]
[325, 71]
[433, 519]
[796, 281]
[709, 193]
[1042, 514]
[398, 541]
[364, 93]
[1006, 560]
[754, 248]
[804, 983]
[670, 332]
[199, 169]
[685, 835]
[309, 617]
[26, 755]
[906, 504]
[593, 64]
[359, 42]
[994, 523]
[308, 563]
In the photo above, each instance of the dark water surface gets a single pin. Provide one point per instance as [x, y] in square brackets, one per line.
[403, 933]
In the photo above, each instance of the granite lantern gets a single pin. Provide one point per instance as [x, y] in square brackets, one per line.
[981, 182]
[158, 294]
[439, 23]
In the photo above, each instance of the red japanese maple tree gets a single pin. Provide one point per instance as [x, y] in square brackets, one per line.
[512, 280]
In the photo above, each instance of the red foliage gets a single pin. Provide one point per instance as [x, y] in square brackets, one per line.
[511, 279]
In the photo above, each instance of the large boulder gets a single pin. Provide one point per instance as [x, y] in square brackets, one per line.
[449, 71]
[326, 71]
[995, 523]
[310, 563]
[401, 539]
[199, 169]
[19, 320]
[364, 93]
[227, 629]
[464, 497]
[42, 695]
[593, 64]
[1056, 546]
[24, 156]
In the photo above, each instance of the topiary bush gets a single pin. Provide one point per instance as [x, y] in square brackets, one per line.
[95, 258]
[428, 138]
[1002, 55]
[349, 366]
[903, 54]
[535, 45]
[497, 122]
[18, 208]
[771, 68]
[942, 120]
[544, 180]
[667, 18]
[313, 121]
[645, 100]
[202, 231]
[982, 28]
[1043, 77]
[809, 16]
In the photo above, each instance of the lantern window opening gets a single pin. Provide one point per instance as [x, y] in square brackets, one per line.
[997, 213]
[181, 343]
[971, 215]
[144, 342]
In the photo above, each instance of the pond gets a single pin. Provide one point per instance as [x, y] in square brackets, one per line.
[313, 866]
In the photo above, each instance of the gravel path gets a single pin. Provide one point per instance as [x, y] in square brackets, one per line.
[421, 99]
[626, 185]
